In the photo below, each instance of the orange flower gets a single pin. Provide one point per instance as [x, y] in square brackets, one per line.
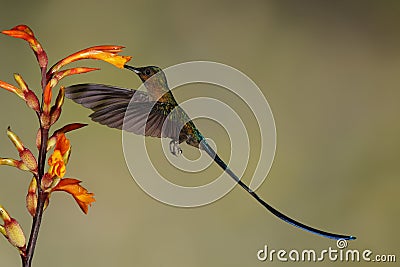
[62, 74]
[53, 139]
[57, 165]
[108, 53]
[47, 94]
[62, 144]
[12, 88]
[70, 127]
[57, 162]
[24, 32]
[80, 194]
[59, 158]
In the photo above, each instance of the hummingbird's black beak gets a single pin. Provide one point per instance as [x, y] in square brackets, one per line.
[135, 70]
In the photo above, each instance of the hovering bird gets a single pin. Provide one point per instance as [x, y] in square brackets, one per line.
[156, 113]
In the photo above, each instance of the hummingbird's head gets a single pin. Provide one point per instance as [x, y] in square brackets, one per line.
[144, 72]
[153, 78]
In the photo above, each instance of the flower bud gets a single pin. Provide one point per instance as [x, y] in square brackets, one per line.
[28, 159]
[12, 229]
[55, 111]
[60, 98]
[15, 234]
[24, 32]
[47, 180]
[21, 82]
[32, 101]
[14, 163]
[31, 197]
[28, 95]
[54, 115]
[51, 142]
[45, 120]
[25, 154]
[3, 231]
[15, 139]
[38, 139]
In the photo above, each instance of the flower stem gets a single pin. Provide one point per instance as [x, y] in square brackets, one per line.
[42, 196]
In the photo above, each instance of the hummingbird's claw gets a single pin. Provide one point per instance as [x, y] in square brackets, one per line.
[174, 148]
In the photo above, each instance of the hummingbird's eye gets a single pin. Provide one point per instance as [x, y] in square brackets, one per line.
[147, 72]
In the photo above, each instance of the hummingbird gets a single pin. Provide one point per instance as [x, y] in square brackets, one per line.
[156, 113]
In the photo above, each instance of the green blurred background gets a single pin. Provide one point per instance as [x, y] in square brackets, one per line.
[330, 72]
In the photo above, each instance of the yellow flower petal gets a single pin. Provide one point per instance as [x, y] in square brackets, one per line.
[56, 164]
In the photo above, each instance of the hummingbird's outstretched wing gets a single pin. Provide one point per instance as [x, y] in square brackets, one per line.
[126, 109]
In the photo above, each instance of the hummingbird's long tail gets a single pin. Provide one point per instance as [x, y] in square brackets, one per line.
[206, 147]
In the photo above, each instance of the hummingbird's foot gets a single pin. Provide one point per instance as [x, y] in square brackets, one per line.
[174, 148]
